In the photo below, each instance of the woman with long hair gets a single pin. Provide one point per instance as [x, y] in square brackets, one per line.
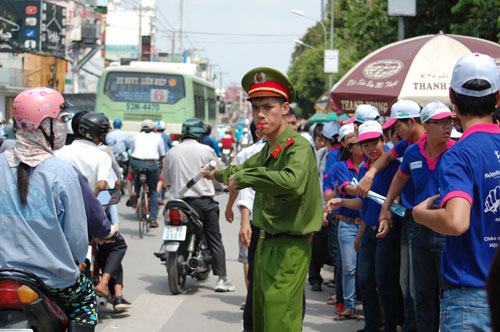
[43, 226]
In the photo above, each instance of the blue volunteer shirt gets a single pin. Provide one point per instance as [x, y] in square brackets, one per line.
[48, 237]
[346, 171]
[471, 170]
[423, 170]
[408, 193]
[381, 184]
[329, 176]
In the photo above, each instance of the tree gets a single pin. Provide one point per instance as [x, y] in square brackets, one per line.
[308, 79]
[362, 26]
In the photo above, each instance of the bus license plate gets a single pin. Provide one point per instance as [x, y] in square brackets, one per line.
[174, 233]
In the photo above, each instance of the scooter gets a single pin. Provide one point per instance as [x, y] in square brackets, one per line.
[26, 303]
[184, 250]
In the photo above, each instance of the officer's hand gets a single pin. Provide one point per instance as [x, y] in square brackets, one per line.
[334, 204]
[245, 233]
[231, 183]
[209, 175]
[384, 227]
[229, 214]
[364, 185]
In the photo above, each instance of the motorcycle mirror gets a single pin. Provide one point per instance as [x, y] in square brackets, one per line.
[109, 197]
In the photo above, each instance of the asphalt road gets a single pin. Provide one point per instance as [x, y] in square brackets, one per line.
[199, 308]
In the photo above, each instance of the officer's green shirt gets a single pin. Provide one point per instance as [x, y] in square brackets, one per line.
[285, 180]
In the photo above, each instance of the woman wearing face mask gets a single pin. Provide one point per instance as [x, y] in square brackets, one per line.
[43, 226]
[378, 257]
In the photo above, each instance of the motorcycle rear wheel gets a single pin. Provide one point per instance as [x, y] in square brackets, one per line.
[176, 272]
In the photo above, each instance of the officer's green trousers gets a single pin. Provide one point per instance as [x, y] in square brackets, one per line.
[281, 266]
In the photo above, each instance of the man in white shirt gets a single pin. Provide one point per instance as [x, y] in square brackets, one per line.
[83, 153]
[181, 164]
[148, 152]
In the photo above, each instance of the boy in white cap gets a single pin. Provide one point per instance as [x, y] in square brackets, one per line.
[405, 117]
[469, 196]
[378, 258]
[365, 112]
[420, 166]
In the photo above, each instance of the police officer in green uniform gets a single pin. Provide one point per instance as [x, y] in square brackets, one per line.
[287, 206]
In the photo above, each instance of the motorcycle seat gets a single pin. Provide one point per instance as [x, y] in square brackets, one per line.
[180, 204]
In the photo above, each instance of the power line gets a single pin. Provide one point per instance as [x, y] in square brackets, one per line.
[240, 34]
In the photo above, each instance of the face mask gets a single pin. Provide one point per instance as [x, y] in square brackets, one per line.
[60, 132]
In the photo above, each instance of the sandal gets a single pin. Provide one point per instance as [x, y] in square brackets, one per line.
[347, 314]
[103, 295]
[331, 300]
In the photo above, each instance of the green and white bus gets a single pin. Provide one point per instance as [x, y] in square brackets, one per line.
[171, 92]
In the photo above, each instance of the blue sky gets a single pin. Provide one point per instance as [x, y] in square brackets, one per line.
[221, 27]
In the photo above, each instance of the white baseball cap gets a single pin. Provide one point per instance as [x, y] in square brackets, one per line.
[346, 130]
[435, 111]
[475, 66]
[331, 129]
[365, 112]
[403, 109]
[369, 130]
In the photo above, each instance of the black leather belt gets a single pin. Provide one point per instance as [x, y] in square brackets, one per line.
[265, 235]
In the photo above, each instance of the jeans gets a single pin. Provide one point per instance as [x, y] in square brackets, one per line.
[334, 252]
[152, 181]
[464, 309]
[208, 209]
[378, 277]
[406, 274]
[347, 233]
[426, 249]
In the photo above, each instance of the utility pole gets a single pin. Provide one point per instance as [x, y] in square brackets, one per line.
[173, 47]
[180, 24]
[330, 76]
[139, 48]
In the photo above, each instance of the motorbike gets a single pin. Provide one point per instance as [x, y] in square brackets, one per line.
[184, 250]
[26, 303]
[226, 155]
[123, 161]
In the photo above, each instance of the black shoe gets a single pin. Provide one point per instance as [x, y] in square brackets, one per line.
[316, 287]
[132, 202]
[330, 283]
[121, 304]
[75, 326]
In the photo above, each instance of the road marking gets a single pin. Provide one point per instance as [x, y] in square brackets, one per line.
[154, 309]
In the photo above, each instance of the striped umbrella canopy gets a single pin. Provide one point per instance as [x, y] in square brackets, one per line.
[418, 69]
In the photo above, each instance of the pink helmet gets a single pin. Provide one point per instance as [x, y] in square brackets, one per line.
[33, 105]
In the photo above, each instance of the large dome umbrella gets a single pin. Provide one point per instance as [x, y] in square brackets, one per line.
[418, 69]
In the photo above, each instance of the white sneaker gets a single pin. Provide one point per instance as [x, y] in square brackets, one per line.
[224, 285]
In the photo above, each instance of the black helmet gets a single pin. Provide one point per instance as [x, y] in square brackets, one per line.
[193, 128]
[75, 123]
[94, 126]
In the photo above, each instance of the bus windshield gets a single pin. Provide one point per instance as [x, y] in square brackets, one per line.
[144, 87]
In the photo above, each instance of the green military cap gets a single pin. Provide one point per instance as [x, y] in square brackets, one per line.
[267, 82]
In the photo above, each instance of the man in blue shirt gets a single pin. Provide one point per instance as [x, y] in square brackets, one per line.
[469, 201]
[117, 139]
[420, 166]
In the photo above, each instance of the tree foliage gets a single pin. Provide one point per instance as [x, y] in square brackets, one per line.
[362, 26]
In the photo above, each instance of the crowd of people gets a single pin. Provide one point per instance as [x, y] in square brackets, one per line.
[407, 210]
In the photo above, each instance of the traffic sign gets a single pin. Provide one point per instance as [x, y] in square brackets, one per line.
[331, 63]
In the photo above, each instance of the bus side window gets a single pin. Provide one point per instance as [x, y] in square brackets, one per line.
[199, 100]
